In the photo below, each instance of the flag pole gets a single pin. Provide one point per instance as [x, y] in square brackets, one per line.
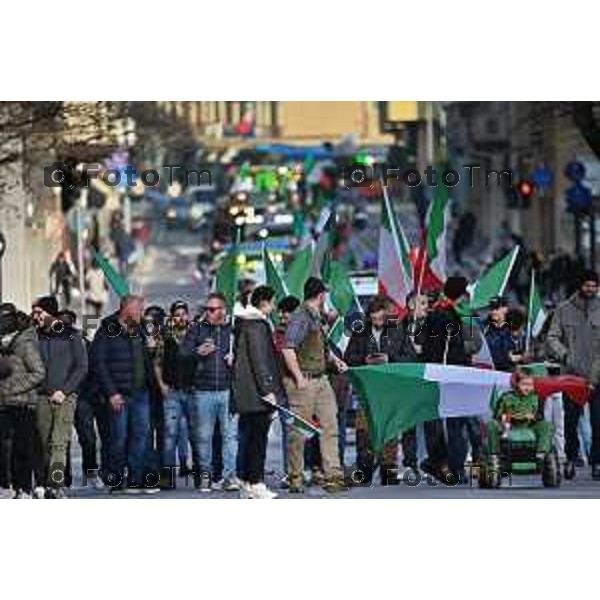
[529, 311]
[238, 238]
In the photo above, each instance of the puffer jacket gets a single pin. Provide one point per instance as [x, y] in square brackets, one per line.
[211, 372]
[27, 371]
[574, 337]
[111, 360]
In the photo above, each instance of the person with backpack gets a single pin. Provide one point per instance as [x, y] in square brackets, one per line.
[22, 371]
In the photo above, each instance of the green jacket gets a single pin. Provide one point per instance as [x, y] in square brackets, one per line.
[516, 406]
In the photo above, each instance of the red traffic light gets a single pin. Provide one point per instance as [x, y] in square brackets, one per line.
[525, 189]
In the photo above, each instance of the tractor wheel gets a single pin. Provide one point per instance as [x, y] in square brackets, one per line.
[489, 477]
[551, 476]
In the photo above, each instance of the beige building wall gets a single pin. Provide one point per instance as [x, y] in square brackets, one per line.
[330, 121]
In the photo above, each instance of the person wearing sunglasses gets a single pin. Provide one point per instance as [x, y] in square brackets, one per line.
[210, 342]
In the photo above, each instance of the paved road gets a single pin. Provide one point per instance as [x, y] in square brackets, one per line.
[167, 274]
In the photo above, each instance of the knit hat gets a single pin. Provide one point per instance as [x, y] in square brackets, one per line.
[8, 318]
[48, 304]
[455, 287]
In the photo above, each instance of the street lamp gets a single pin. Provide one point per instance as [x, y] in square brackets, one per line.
[126, 139]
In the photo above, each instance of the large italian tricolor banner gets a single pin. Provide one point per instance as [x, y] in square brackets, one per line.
[399, 396]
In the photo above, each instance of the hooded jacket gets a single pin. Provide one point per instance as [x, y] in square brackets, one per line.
[65, 358]
[256, 367]
[26, 373]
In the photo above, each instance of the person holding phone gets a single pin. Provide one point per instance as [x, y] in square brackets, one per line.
[210, 342]
[378, 342]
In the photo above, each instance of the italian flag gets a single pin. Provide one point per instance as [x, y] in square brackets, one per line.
[535, 311]
[292, 419]
[399, 396]
[493, 282]
[437, 228]
[394, 271]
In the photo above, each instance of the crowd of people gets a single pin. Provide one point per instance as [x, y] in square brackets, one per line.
[161, 399]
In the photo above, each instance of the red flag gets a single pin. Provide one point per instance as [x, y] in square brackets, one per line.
[576, 388]
[422, 271]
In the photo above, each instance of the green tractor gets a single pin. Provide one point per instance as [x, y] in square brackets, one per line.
[518, 457]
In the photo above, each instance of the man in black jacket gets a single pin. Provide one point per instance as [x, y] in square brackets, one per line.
[210, 342]
[123, 369]
[65, 359]
[451, 340]
[176, 374]
[380, 341]
[256, 382]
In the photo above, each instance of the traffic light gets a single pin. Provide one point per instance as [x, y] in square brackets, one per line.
[520, 194]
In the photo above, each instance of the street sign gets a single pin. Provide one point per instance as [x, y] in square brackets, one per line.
[575, 171]
[543, 177]
[579, 198]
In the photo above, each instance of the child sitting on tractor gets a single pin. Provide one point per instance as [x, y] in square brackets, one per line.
[521, 407]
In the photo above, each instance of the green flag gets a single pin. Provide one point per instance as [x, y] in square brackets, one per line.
[299, 271]
[341, 291]
[116, 281]
[321, 264]
[493, 282]
[338, 335]
[226, 278]
[273, 279]
[535, 311]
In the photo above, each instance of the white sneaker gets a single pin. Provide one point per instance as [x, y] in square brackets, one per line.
[259, 491]
[231, 485]
[217, 486]
[98, 484]
[150, 490]
[131, 491]
[39, 493]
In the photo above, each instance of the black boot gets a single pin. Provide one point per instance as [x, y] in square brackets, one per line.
[570, 469]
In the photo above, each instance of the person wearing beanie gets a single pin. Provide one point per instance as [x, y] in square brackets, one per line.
[23, 373]
[453, 341]
[574, 341]
[65, 358]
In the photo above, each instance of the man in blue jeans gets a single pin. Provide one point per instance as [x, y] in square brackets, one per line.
[210, 342]
[175, 375]
[122, 367]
